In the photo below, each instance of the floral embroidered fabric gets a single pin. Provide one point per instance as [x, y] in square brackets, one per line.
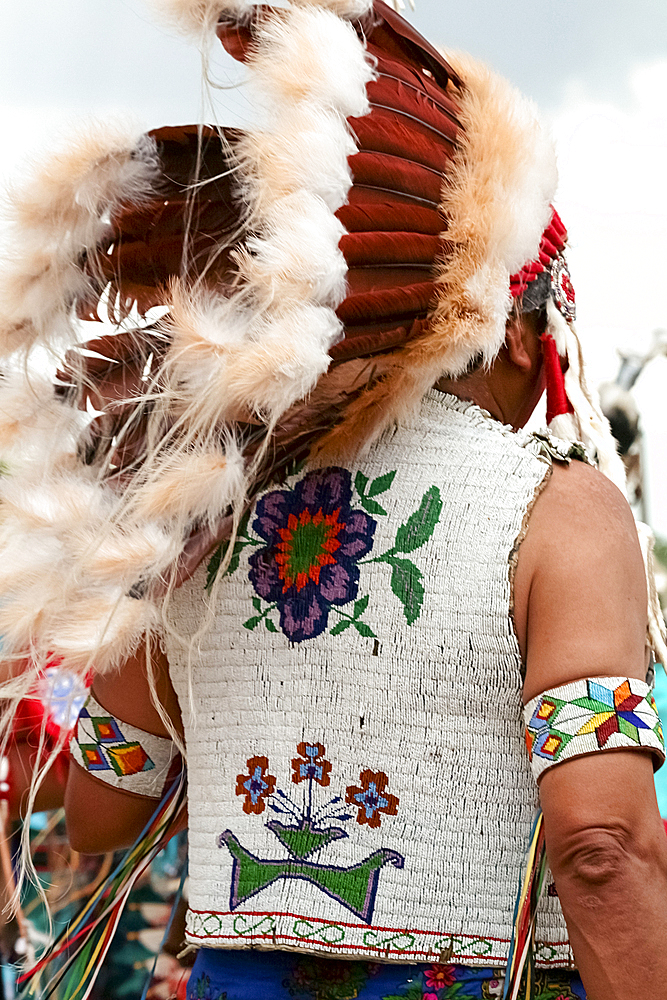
[233, 975]
[309, 541]
[586, 716]
[335, 807]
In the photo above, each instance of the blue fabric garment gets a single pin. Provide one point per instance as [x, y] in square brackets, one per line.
[279, 975]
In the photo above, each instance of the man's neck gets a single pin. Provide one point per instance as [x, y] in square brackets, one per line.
[476, 389]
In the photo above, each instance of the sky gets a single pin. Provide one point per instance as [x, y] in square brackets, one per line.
[597, 70]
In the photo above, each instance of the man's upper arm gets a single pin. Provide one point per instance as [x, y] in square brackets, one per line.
[580, 587]
[100, 817]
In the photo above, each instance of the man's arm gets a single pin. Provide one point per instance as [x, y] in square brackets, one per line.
[99, 817]
[580, 611]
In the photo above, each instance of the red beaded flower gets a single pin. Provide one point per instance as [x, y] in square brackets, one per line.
[256, 785]
[371, 798]
[311, 765]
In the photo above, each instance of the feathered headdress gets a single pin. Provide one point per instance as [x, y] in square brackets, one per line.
[287, 291]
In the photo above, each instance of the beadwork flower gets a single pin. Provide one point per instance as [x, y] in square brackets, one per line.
[256, 785]
[438, 976]
[311, 765]
[371, 798]
[313, 543]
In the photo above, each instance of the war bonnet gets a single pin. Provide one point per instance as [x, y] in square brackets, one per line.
[314, 276]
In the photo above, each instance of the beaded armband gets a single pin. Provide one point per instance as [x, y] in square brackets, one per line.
[586, 716]
[120, 754]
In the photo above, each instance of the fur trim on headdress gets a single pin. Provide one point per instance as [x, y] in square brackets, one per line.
[198, 18]
[56, 219]
[495, 203]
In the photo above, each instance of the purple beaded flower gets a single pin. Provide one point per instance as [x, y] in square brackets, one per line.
[313, 543]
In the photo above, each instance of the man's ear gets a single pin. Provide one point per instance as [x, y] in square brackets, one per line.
[516, 334]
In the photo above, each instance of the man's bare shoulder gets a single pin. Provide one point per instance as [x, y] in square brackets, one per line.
[580, 495]
[580, 589]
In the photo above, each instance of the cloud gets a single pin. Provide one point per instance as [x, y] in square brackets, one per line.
[613, 199]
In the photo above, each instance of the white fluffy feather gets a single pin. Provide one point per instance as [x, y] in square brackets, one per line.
[257, 351]
[308, 152]
[195, 486]
[198, 18]
[288, 67]
[61, 212]
[298, 248]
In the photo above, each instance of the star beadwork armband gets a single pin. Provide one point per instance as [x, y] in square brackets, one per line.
[586, 716]
[120, 754]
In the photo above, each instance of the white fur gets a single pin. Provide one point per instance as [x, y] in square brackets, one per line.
[196, 486]
[565, 426]
[62, 211]
[496, 199]
[308, 152]
[300, 245]
[351, 9]
[268, 343]
[256, 351]
[100, 629]
[289, 68]
[124, 555]
[198, 18]
[279, 362]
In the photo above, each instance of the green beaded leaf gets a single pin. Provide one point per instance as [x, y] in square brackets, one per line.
[371, 506]
[407, 586]
[381, 484]
[360, 606]
[340, 626]
[420, 526]
[218, 556]
[365, 630]
[360, 482]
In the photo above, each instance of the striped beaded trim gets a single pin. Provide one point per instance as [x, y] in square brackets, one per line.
[586, 716]
[120, 754]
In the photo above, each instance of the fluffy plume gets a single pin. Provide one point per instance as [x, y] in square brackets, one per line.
[351, 9]
[61, 214]
[288, 68]
[264, 347]
[225, 378]
[301, 238]
[101, 629]
[34, 425]
[496, 201]
[309, 153]
[124, 556]
[198, 18]
[195, 486]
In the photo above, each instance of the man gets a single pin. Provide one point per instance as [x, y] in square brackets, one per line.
[350, 698]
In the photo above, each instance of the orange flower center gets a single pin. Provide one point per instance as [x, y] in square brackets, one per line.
[307, 544]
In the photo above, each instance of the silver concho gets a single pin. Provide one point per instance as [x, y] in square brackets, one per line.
[562, 291]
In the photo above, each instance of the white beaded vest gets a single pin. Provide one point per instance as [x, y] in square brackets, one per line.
[359, 784]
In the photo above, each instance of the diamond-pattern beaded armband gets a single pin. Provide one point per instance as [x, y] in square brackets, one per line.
[120, 754]
[586, 716]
